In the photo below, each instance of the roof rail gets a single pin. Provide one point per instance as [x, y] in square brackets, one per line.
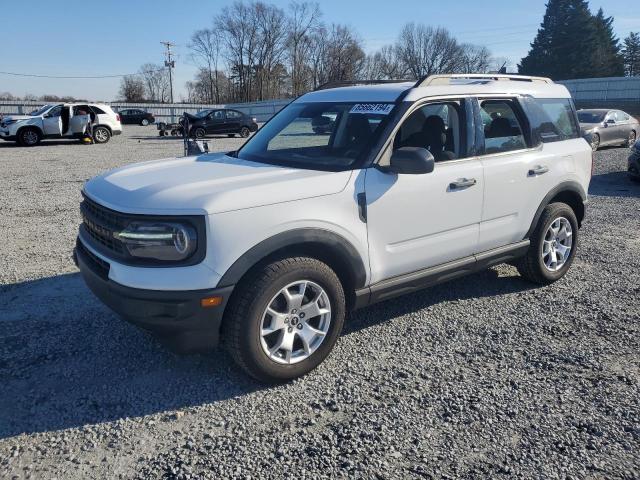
[352, 83]
[430, 80]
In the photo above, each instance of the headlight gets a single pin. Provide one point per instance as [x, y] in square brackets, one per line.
[159, 240]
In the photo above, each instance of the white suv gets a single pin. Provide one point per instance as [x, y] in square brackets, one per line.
[64, 120]
[268, 247]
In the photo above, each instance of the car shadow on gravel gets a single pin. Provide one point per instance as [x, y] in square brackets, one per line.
[614, 184]
[67, 361]
[487, 283]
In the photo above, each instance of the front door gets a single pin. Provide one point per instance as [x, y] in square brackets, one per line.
[420, 221]
[52, 122]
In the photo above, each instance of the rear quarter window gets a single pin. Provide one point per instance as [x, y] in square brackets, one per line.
[97, 110]
[552, 119]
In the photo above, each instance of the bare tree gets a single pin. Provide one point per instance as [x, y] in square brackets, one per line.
[474, 59]
[205, 50]
[304, 22]
[156, 82]
[132, 89]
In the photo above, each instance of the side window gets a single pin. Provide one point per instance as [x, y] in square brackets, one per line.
[621, 116]
[503, 130]
[438, 127]
[55, 111]
[218, 115]
[233, 115]
[610, 116]
[552, 119]
[97, 110]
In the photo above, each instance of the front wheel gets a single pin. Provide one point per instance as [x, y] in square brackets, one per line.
[285, 319]
[28, 137]
[595, 142]
[199, 132]
[554, 243]
[245, 132]
[144, 122]
[101, 134]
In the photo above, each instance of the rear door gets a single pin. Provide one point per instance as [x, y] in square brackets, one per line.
[215, 122]
[529, 147]
[419, 221]
[609, 133]
[234, 121]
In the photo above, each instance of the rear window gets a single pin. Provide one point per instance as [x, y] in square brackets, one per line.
[552, 119]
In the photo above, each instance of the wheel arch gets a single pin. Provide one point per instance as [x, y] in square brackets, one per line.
[570, 193]
[32, 127]
[324, 245]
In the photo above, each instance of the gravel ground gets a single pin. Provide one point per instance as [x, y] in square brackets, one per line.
[481, 377]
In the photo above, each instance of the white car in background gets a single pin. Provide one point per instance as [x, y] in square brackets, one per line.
[64, 120]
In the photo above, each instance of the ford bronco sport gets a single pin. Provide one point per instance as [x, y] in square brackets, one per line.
[268, 247]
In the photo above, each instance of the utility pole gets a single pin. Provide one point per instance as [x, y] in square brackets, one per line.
[170, 64]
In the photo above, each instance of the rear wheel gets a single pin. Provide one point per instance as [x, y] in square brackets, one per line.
[285, 319]
[595, 141]
[632, 139]
[101, 134]
[28, 137]
[144, 122]
[245, 132]
[553, 245]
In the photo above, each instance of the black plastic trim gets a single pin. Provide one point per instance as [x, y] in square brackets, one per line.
[572, 187]
[410, 282]
[176, 317]
[330, 241]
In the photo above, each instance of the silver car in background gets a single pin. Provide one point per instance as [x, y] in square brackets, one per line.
[609, 127]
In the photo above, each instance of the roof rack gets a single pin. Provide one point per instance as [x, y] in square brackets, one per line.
[430, 80]
[352, 83]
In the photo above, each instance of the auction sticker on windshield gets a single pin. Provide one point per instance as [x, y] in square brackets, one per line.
[377, 108]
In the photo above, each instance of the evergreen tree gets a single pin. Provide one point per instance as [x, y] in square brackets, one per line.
[631, 54]
[607, 60]
[569, 42]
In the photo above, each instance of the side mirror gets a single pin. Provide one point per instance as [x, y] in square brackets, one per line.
[411, 160]
[610, 121]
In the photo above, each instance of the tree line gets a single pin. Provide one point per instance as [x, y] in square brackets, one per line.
[256, 51]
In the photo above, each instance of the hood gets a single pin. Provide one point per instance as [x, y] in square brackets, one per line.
[12, 118]
[207, 184]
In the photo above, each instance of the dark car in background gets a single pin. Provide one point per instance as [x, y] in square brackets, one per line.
[634, 162]
[136, 116]
[609, 127]
[221, 121]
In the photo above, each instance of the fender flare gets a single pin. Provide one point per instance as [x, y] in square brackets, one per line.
[332, 244]
[571, 187]
[35, 127]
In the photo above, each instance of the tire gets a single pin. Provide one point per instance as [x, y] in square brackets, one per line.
[632, 139]
[199, 132]
[247, 318]
[101, 134]
[29, 137]
[533, 266]
[245, 132]
[144, 122]
[595, 142]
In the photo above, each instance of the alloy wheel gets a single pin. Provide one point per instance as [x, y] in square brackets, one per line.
[101, 135]
[295, 322]
[30, 137]
[557, 244]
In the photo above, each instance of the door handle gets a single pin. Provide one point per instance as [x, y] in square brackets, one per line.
[462, 183]
[538, 170]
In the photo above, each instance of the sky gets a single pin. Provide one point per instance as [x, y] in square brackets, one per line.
[83, 38]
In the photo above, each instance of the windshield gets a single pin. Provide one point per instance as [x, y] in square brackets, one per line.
[591, 117]
[203, 113]
[318, 136]
[37, 113]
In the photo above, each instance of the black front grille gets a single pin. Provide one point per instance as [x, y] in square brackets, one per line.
[100, 223]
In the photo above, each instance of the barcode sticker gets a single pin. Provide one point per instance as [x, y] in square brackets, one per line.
[375, 108]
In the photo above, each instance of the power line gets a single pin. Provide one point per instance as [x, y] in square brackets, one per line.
[34, 75]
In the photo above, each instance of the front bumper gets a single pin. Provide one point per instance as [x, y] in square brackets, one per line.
[175, 317]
